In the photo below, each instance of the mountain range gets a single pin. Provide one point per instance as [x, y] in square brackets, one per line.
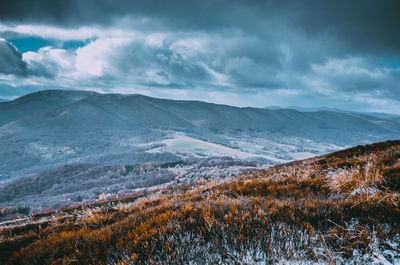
[382, 115]
[50, 128]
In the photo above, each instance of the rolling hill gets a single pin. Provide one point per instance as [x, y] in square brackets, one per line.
[51, 128]
[339, 208]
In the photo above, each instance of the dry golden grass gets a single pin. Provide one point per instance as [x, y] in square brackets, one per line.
[366, 176]
[305, 210]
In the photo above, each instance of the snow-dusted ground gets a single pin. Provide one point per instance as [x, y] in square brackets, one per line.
[180, 143]
[286, 148]
[85, 183]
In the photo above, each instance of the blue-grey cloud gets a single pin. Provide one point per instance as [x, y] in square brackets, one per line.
[11, 59]
[330, 51]
[359, 25]
[13, 63]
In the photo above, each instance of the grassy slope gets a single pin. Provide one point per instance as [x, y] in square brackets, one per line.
[342, 207]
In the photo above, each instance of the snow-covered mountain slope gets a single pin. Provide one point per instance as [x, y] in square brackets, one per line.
[51, 128]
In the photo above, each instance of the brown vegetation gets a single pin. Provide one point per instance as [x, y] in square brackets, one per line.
[324, 209]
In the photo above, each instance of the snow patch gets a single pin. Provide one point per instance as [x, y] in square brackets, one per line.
[181, 143]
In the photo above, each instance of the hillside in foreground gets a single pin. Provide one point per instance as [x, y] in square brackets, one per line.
[340, 208]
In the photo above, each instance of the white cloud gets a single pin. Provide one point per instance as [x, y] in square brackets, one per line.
[94, 57]
[349, 66]
[49, 61]
[156, 39]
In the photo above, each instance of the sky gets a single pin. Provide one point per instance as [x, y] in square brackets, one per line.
[310, 53]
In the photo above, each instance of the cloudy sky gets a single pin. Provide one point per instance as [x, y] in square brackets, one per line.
[339, 54]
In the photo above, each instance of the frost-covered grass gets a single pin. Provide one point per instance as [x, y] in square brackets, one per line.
[287, 214]
[365, 176]
[85, 183]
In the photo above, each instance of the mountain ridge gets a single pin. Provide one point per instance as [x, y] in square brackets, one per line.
[48, 128]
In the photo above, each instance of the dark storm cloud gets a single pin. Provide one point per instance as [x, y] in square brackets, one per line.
[311, 31]
[11, 62]
[11, 59]
[76, 12]
[360, 24]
